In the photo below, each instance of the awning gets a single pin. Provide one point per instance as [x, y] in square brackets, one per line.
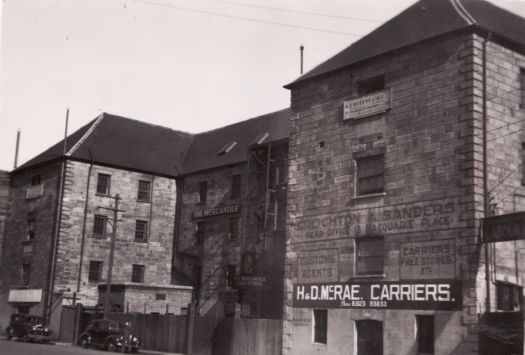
[25, 296]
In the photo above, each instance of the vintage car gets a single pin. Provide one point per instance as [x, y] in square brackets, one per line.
[109, 335]
[28, 327]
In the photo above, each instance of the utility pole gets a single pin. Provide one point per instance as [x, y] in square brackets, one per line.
[111, 254]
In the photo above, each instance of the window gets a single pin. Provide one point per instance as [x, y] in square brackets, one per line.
[31, 226]
[160, 296]
[523, 163]
[425, 334]
[369, 260]
[522, 87]
[137, 273]
[230, 275]
[371, 85]
[144, 191]
[508, 297]
[370, 175]
[200, 232]
[247, 264]
[320, 326]
[233, 229]
[141, 231]
[95, 271]
[203, 191]
[103, 184]
[236, 186]
[26, 274]
[99, 225]
[36, 180]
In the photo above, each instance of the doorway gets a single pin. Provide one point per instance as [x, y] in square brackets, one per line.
[369, 337]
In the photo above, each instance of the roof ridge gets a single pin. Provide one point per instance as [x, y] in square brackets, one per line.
[465, 15]
[147, 123]
[86, 135]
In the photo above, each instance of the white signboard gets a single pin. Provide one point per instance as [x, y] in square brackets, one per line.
[368, 105]
[25, 296]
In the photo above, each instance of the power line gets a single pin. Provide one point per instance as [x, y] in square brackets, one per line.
[296, 11]
[244, 18]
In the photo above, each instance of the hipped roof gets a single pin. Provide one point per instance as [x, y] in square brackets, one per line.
[424, 20]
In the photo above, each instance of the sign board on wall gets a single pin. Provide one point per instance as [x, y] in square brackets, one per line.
[217, 211]
[436, 295]
[435, 259]
[367, 105]
[318, 265]
[25, 296]
[504, 228]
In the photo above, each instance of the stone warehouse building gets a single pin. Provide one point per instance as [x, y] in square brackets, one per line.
[400, 145]
[60, 219]
[233, 217]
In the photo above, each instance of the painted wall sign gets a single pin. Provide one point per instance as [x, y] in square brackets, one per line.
[368, 105]
[318, 265]
[433, 215]
[25, 296]
[504, 228]
[438, 295]
[434, 259]
[217, 211]
[250, 281]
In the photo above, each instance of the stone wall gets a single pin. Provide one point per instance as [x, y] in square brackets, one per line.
[431, 192]
[4, 196]
[146, 299]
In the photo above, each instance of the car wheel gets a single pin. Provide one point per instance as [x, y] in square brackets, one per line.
[84, 343]
[112, 346]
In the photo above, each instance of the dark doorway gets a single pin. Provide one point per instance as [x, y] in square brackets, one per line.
[369, 337]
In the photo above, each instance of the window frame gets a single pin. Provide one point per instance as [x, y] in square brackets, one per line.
[144, 195]
[203, 191]
[320, 326]
[107, 184]
[233, 228]
[145, 234]
[31, 226]
[522, 87]
[511, 300]
[231, 271]
[25, 274]
[36, 180]
[369, 168]
[236, 183]
[141, 270]
[361, 259]
[522, 163]
[200, 232]
[104, 226]
[97, 270]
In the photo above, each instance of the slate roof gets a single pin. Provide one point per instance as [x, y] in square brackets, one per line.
[424, 20]
[125, 143]
[129, 144]
[204, 151]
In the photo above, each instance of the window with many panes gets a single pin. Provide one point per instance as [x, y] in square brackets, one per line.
[95, 271]
[99, 225]
[508, 297]
[233, 228]
[425, 334]
[31, 225]
[143, 194]
[370, 175]
[320, 326]
[236, 186]
[371, 85]
[141, 231]
[26, 274]
[203, 191]
[137, 273]
[103, 184]
[230, 275]
[369, 255]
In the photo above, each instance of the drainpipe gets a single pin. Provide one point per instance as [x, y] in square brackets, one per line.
[485, 171]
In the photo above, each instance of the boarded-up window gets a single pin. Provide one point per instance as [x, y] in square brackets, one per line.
[370, 174]
[144, 191]
[141, 231]
[103, 184]
[203, 191]
[425, 334]
[99, 226]
[95, 271]
[370, 255]
[320, 326]
[137, 273]
[236, 186]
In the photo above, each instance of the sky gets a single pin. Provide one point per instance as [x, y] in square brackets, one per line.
[190, 65]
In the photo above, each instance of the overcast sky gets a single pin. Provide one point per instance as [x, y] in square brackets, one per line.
[188, 65]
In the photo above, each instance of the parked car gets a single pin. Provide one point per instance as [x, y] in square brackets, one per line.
[109, 335]
[28, 327]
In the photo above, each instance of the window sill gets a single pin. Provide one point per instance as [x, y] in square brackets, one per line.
[99, 236]
[368, 276]
[361, 197]
[143, 201]
[102, 195]
[140, 241]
